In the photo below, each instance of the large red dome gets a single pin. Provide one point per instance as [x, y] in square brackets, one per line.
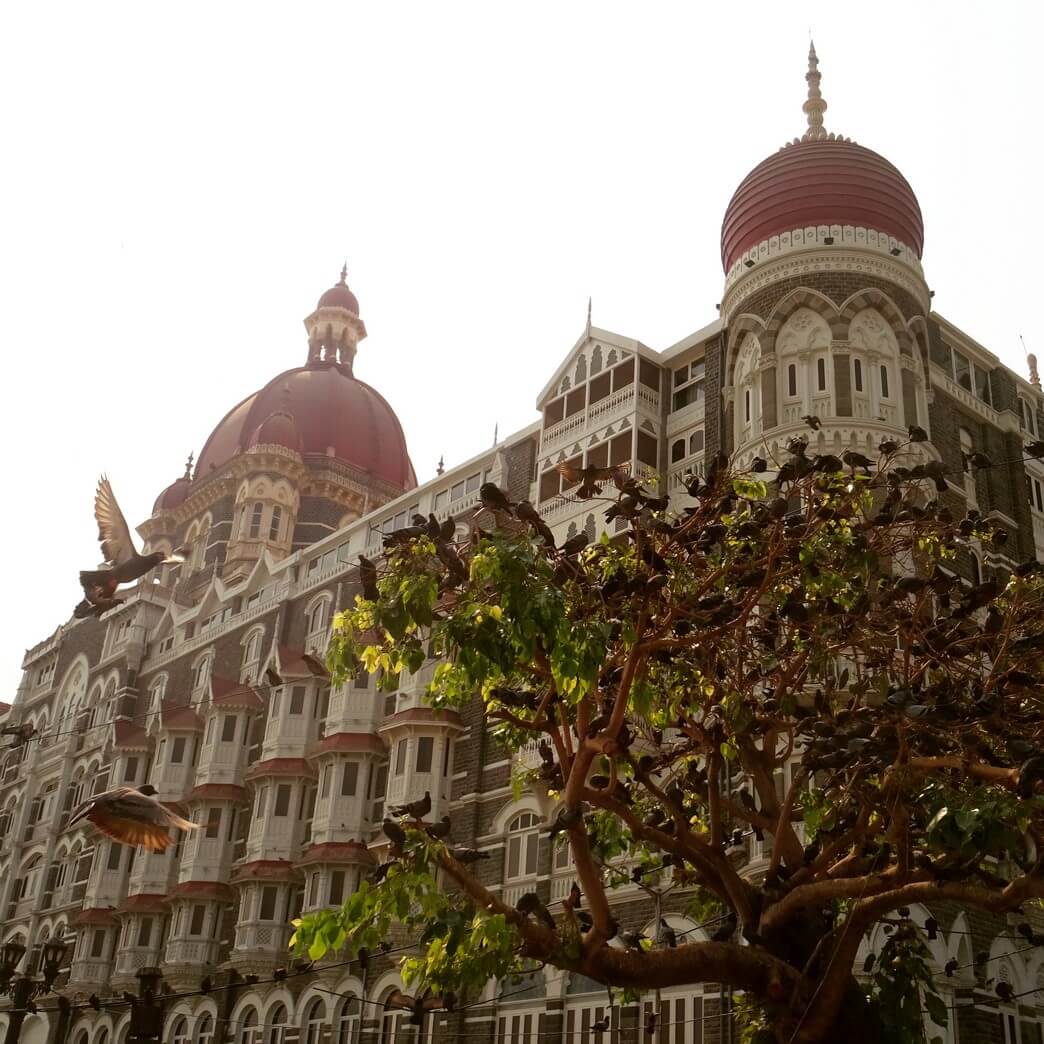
[820, 182]
[336, 416]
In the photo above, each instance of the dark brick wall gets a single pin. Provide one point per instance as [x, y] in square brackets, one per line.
[714, 437]
[521, 468]
[838, 286]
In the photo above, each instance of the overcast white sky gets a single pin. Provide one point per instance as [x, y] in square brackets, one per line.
[181, 181]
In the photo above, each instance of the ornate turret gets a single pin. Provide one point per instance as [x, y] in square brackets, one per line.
[334, 328]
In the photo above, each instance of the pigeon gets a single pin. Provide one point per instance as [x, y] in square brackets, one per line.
[591, 479]
[123, 562]
[530, 905]
[368, 578]
[133, 817]
[394, 833]
[529, 514]
[917, 433]
[975, 460]
[466, 856]
[812, 421]
[758, 465]
[440, 829]
[416, 809]
[493, 497]
[855, 460]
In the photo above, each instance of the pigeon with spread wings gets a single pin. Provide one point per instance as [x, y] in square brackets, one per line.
[123, 562]
[133, 817]
[591, 479]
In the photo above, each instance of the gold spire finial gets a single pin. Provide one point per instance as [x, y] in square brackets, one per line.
[344, 273]
[589, 317]
[814, 106]
[188, 465]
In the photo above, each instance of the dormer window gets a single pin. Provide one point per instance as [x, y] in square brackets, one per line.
[255, 521]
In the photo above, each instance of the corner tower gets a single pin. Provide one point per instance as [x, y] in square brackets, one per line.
[825, 301]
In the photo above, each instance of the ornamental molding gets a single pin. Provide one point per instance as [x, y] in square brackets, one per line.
[802, 262]
[840, 347]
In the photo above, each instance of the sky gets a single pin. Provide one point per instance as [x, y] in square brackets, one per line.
[181, 182]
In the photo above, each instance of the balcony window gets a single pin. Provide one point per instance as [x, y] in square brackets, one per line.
[213, 828]
[282, 800]
[115, 856]
[250, 1033]
[554, 412]
[425, 746]
[600, 388]
[98, 943]
[884, 383]
[857, 370]
[145, 932]
[337, 887]
[969, 376]
[297, 695]
[177, 750]
[1027, 417]
[677, 451]
[647, 449]
[349, 778]
[522, 845]
[228, 728]
[400, 758]
[623, 375]
[689, 383]
[792, 388]
[696, 441]
[199, 912]
[821, 382]
[276, 524]
[269, 895]
[254, 530]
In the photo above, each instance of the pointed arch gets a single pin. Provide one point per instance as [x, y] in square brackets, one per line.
[873, 297]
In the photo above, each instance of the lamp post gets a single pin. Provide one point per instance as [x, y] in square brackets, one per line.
[23, 989]
[146, 1022]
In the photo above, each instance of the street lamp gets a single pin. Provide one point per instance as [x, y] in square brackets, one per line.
[25, 987]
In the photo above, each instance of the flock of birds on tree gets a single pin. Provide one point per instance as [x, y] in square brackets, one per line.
[950, 625]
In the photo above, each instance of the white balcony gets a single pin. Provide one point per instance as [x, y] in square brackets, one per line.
[267, 937]
[192, 951]
[89, 972]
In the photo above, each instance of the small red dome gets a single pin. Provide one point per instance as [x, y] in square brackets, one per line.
[279, 429]
[334, 414]
[820, 182]
[173, 496]
[340, 296]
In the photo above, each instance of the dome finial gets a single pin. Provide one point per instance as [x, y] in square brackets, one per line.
[814, 106]
[188, 465]
[344, 273]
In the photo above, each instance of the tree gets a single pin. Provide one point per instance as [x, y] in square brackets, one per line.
[669, 675]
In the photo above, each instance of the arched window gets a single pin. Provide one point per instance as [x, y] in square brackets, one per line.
[250, 1031]
[678, 451]
[522, 844]
[857, 370]
[748, 385]
[392, 1021]
[179, 1033]
[277, 1025]
[696, 442]
[317, 618]
[205, 1029]
[276, 525]
[201, 673]
[885, 394]
[255, 521]
[347, 1030]
[314, 1020]
[103, 1036]
[802, 348]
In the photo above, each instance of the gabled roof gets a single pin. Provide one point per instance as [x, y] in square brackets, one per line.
[627, 344]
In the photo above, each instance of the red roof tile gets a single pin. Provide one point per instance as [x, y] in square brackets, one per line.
[95, 915]
[423, 714]
[179, 716]
[336, 852]
[350, 742]
[128, 736]
[294, 663]
[280, 767]
[265, 870]
[203, 890]
[227, 693]
[217, 791]
[144, 902]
